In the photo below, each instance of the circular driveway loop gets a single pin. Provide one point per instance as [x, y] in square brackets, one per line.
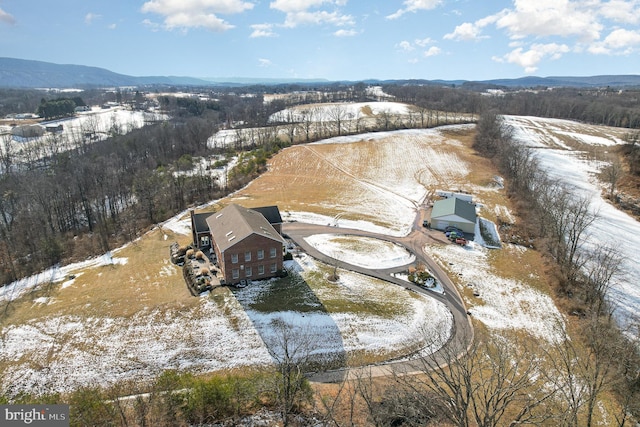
[462, 330]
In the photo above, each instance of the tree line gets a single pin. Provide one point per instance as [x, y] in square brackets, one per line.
[602, 106]
[556, 219]
[59, 107]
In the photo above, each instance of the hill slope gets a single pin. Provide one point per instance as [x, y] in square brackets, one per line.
[26, 73]
[34, 74]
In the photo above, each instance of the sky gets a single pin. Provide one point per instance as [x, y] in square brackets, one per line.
[329, 39]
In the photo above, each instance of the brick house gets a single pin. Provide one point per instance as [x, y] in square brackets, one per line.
[245, 243]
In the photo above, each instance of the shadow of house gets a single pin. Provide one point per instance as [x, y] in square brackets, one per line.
[291, 319]
[243, 243]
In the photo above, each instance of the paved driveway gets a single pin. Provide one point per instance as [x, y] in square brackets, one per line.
[462, 331]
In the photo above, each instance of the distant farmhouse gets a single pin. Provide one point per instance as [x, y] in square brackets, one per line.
[245, 243]
[455, 212]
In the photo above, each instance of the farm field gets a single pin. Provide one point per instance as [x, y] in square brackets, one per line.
[130, 316]
[575, 154]
[85, 127]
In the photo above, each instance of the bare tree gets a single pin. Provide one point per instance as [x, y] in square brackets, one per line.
[495, 377]
[291, 347]
[6, 153]
[583, 369]
[612, 175]
[604, 264]
[338, 113]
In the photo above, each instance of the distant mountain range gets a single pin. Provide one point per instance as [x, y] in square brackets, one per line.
[21, 73]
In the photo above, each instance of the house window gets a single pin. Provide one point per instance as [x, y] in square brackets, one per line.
[247, 256]
[248, 272]
[260, 253]
[235, 273]
[260, 270]
[274, 267]
[273, 252]
[204, 241]
[234, 258]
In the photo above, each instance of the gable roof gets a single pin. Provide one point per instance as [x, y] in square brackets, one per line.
[454, 206]
[235, 223]
[271, 213]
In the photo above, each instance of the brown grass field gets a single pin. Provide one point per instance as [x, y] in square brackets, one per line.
[327, 179]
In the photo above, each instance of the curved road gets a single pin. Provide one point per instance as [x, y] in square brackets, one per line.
[462, 330]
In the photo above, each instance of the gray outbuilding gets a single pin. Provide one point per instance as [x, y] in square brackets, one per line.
[454, 212]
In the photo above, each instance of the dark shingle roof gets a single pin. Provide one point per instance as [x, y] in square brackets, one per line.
[200, 222]
[271, 213]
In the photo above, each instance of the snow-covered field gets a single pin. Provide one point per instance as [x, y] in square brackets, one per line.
[574, 167]
[505, 303]
[359, 180]
[229, 330]
[343, 111]
[63, 352]
[89, 126]
[358, 250]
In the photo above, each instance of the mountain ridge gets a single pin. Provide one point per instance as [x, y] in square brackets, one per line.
[24, 73]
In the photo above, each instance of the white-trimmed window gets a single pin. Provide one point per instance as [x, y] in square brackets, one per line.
[248, 272]
[235, 273]
[260, 270]
[234, 258]
[247, 256]
[273, 252]
[260, 253]
[274, 267]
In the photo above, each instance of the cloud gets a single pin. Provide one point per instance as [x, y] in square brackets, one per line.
[432, 51]
[622, 11]
[423, 42]
[90, 17]
[622, 38]
[530, 59]
[185, 14]
[465, 32]
[414, 6]
[406, 46]
[264, 63]
[473, 31]
[541, 18]
[345, 33]
[112, 26]
[7, 18]
[304, 12]
[288, 6]
[262, 30]
[619, 41]
[409, 47]
[295, 19]
[153, 26]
